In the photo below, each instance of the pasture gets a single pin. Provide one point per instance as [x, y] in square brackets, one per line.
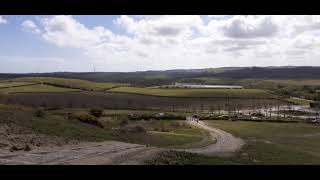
[275, 143]
[266, 144]
[71, 83]
[188, 92]
[37, 88]
[5, 84]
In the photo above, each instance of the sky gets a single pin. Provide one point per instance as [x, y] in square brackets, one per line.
[147, 42]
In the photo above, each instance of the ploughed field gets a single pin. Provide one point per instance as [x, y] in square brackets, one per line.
[127, 101]
[60, 92]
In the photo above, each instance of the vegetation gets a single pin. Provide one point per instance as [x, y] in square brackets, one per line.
[97, 112]
[266, 144]
[38, 88]
[131, 101]
[5, 84]
[84, 127]
[87, 118]
[232, 93]
[71, 83]
[186, 158]
[298, 101]
[274, 143]
[39, 113]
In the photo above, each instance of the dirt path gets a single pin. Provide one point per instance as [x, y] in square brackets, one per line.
[226, 144]
[98, 153]
[115, 152]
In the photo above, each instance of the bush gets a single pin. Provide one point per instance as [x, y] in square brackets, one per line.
[97, 112]
[39, 113]
[124, 122]
[88, 119]
[138, 129]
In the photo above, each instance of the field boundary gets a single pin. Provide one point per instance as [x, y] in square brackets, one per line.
[187, 96]
[35, 83]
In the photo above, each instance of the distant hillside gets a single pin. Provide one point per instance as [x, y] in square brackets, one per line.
[301, 72]
[184, 75]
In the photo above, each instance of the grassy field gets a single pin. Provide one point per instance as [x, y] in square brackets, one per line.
[14, 84]
[275, 143]
[298, 101]
[71, 83]
[165, 133]
[232, 93]
[37, 88]
[266, 143]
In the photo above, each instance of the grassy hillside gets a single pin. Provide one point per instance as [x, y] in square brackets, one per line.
[164, 133]
[37, 88]
[4, 84]
[232, 93]
[71, 83]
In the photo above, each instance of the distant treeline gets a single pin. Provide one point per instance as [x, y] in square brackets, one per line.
[150, 78]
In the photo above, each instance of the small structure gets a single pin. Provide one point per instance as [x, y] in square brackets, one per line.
[160, 114]
[193, 118]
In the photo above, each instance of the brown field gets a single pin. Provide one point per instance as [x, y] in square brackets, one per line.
[125, 101]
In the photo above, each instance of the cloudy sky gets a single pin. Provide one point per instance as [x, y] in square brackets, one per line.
[136, 43]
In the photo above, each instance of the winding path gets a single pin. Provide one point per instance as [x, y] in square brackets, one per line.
[226, 144]
[115, 152]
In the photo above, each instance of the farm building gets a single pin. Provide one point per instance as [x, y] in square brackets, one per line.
[193, 118]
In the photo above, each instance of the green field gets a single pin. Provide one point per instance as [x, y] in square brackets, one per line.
[38, 88]
[275, 143]
[164, 133]
[297, 101]
[266, 144]
[71, 83]
[232, 93]
[5, 84]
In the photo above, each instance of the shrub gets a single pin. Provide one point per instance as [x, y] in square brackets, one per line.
[88, 119]
[138, 129]
[39, 113]
[97, 112]
[124, 122]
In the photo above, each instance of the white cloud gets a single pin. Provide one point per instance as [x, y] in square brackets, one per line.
[30, 25]
[170, 42]
[3, 21]
[250, 27]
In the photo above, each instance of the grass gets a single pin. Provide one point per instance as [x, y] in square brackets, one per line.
[232, 93]
[302, 82]
[275, 143]
[298, 101]
[37, 88]
[266, 144]
[71, 83]
[158, 133]
[186, 158]
[14, 84]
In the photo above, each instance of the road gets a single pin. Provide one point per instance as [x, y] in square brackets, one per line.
[115, 152]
